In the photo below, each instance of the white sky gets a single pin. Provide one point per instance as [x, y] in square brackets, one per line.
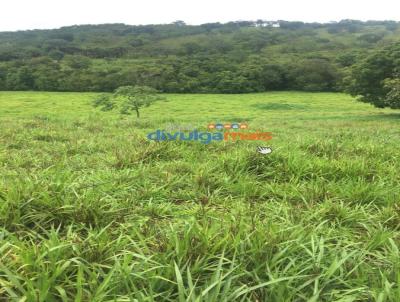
[32, 14]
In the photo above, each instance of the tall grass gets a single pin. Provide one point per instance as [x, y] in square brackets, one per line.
[90, 210]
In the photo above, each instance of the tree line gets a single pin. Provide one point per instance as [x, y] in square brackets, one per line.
[235, 57]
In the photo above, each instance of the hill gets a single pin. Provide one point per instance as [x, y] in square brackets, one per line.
[235, 57]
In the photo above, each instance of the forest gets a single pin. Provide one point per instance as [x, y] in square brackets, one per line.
[235, 57]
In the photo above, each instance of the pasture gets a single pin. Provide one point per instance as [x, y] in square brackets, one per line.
[91, 210]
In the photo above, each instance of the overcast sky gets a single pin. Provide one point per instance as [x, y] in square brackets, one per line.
[31, 14]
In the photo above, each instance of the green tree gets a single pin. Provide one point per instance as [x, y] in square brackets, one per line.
[56, 54]
[374, 79]
[77, 62]
[393, 93]
[314, 75]
[128, 99]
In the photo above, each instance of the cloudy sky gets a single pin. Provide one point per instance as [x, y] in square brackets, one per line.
[31, 14]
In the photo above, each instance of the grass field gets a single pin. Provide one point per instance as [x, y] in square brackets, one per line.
[90, 210]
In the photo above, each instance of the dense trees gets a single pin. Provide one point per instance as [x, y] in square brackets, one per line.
[376, 79]
[235, 57]
[315, 75]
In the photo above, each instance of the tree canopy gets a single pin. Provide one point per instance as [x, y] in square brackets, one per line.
[235, 57]
[128, 99]
[376, 79]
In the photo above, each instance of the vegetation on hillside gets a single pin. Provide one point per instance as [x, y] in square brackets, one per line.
[235, 57]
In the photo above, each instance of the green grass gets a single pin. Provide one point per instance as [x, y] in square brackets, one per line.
[90, 210]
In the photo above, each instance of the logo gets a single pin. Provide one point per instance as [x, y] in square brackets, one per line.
[235, 126]
[223, 133]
